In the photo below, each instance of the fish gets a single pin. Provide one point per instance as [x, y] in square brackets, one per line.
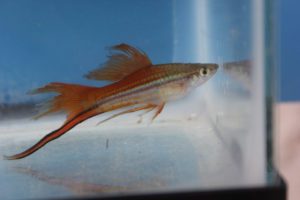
[241, 72]
[136, 85]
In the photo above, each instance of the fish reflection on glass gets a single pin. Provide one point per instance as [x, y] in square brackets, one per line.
[76, 186]
[240, 71]
[137, 85]
[84, 187]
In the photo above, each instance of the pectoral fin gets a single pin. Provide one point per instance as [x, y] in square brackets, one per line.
[159, 108]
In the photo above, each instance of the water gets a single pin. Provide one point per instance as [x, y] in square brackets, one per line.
[213, 138]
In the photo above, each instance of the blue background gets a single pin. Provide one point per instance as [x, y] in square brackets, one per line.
[289, 50]
[48, 41]
[45, 41]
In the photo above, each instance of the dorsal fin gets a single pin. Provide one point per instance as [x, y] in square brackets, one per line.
[124, 61]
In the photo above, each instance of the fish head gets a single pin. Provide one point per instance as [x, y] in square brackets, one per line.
[200, 73]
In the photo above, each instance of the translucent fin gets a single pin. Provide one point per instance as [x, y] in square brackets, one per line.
[71, 98]
[124, 61]
[142, 115]
[149, 106]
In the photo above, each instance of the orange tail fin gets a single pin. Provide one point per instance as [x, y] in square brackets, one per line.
[54, 134]
[71, 98]
[75, 100]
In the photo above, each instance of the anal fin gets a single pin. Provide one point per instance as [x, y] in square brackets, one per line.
[145, 107]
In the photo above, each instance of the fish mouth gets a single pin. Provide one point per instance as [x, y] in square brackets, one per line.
[213, 68]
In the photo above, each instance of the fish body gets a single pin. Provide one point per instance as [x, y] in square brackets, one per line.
[137, 85]
[241, 72]
[157, 84]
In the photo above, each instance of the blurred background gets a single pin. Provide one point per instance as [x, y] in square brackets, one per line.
[289, 50]
[289, 31]
[84, 55]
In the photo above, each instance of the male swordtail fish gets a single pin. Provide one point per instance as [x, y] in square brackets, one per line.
[137, 85]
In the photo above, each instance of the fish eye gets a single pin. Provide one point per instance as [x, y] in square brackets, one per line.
[204, 71]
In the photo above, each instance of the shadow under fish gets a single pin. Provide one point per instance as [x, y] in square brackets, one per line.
[80, 187]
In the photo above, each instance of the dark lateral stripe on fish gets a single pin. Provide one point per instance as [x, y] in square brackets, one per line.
[152, 84]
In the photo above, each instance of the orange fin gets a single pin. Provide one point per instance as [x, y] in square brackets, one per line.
[125, 61]
[158, 111]
[54, 134]
[71, 98]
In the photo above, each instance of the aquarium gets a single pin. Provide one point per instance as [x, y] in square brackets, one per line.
[120, 97]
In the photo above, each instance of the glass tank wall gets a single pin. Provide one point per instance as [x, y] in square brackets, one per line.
[212, 137]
